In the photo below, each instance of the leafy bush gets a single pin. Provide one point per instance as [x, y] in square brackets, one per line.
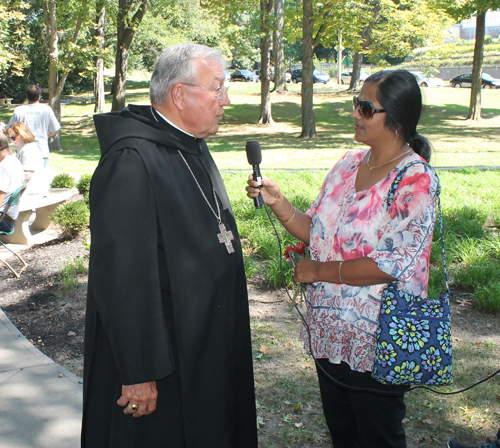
[69, 270]
[63, 180]
[250, 267]
[488, 296]
[72, 217]
[86, 242]
[83, 186]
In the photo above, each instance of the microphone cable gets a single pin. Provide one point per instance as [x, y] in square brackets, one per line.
[320, 367]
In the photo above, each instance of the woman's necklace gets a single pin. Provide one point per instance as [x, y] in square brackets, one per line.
[378, 166]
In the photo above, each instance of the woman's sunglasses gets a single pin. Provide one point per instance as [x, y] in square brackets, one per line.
[364, 107]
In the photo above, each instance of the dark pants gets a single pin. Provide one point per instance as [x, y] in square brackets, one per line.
[5, 226]
[361, 419]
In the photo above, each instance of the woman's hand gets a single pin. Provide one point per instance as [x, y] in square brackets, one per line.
[270, 190]
[306, 271]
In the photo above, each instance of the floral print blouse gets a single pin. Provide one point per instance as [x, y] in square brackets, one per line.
[348, 224]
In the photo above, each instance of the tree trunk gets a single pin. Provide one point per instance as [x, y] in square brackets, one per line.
[126, 28]
[279, 48]
[477, 69]
[308, 119]
[356, 68]
[100, 104]
[56, 82]
[266, 8]
[49, 11]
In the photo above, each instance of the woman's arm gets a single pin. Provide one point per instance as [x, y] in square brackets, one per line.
[358, 272]
[296, 223]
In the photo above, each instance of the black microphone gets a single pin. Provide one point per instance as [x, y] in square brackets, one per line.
[254, 157]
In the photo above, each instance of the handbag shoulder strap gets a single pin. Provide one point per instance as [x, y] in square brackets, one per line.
[399, 177]
[390, 198]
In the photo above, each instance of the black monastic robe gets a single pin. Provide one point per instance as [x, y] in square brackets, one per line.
[166, 301]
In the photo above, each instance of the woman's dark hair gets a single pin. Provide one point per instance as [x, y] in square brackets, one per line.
[399, 94]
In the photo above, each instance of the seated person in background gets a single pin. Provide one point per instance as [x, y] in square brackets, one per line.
[11, 178]
[28, 153]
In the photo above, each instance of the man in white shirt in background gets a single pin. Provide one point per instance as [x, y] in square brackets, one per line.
[40, 120]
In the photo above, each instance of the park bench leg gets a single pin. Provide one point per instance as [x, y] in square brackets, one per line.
[43, 214]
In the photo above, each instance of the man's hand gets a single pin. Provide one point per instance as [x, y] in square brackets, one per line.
[142, 395]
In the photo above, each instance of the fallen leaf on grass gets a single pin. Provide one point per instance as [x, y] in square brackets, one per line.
[464, 302]
[297, 406]
[428, 421]
[298, 425]
[264, 350]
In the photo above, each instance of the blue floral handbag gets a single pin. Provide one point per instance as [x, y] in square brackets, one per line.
[414, 333]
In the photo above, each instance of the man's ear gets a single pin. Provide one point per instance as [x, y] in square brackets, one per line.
[177, 93]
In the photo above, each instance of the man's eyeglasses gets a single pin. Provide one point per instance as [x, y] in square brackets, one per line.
[219, 90]
[364, 107]
[11, 138]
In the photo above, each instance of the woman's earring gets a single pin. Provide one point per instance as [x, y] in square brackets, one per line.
[396, 132]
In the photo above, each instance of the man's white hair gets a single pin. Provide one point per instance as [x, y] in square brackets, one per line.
[177, 64]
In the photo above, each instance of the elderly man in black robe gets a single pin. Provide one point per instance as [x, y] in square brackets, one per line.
[168, 359]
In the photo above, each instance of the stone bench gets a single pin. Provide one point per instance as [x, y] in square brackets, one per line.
[44, 207]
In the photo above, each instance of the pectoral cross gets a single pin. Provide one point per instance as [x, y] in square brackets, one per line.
[225, 236]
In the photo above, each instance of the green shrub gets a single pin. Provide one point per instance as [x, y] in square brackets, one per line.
[86, 242]
[83, 184]
[63, 180]
[69, 270]
[72, 217]
[488, 296]
[250, 267]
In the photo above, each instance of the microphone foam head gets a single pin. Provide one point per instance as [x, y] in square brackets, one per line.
[254, 154]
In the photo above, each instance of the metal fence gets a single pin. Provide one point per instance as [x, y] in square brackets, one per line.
[445, 73]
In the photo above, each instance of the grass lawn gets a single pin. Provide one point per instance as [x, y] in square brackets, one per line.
[457, 142]
[471, 208]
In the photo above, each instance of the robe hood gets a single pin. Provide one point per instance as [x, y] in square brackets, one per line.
[139, 122]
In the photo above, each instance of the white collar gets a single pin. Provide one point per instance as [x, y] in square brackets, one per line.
[168, 121]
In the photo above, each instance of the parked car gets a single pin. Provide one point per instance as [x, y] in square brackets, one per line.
[345, 77]
[466, 80]
[427, 80]
[288, 75]
[244, 75]
[227, 75]
[317, 76]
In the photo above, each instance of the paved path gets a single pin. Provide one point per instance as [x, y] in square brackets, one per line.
[40, 401]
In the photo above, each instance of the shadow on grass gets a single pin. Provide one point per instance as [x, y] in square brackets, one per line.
[335, 125]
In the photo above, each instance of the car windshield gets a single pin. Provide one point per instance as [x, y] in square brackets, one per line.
[316, 72]
[246, 72]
